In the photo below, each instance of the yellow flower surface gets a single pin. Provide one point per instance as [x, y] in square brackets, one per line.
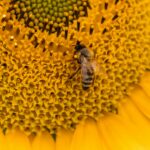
[41, 107]
[129, 129]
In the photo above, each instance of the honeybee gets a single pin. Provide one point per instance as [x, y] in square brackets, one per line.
[85, 59]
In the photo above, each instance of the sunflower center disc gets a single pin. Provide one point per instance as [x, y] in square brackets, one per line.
[49, 15]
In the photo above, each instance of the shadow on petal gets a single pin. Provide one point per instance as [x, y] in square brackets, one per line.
[17, 140]
[87, 137]
[43, 141]
[63, 140]
[119, 134]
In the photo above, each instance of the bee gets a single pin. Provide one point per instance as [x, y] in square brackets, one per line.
[85, 58]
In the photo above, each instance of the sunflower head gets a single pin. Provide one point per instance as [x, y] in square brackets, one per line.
[36, 93]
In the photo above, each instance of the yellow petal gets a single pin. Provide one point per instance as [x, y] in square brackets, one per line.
[2, 141]
[141, 100]
[43, 141]
[87, 137]
[139, 122]
[130, 113]
[17, 140]
[64, 138]
[119, 135]
[145, 83]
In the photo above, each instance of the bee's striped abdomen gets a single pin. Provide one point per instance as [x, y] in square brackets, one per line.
[86, 82]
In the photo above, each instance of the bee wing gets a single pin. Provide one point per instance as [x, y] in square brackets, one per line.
[86, 68]
[98, 69]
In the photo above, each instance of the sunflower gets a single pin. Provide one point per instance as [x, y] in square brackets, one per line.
[41, 107]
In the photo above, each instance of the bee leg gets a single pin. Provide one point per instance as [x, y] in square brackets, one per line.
[79, 61]
[74, 73]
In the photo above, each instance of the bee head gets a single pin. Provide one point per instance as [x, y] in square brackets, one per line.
[79, 46]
